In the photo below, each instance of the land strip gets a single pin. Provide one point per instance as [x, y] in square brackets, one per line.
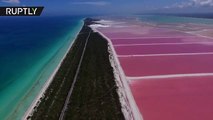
[74, 81]
[94, 95]
[94, 84]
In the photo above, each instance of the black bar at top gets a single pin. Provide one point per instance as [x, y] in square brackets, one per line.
[21, 11]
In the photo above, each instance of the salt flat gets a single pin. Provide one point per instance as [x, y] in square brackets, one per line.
[168, 67]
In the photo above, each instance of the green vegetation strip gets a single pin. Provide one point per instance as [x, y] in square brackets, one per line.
[54, 97]
[94, 95]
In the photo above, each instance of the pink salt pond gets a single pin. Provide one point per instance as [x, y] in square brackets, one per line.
[185, 98]
[163, 65]
[170, 72]
[145, 40]
[143, 49]
[156, 40]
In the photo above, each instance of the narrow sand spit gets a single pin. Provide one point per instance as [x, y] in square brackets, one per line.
[129, 107]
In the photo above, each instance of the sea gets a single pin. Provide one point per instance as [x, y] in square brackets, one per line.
[30, 50]
[180, 18]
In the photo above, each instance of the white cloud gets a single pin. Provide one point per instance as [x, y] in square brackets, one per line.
[11, 1]
[192, 3]
[203, 3]
[95, 3]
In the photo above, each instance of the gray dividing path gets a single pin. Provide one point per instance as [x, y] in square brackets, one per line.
[74, 81]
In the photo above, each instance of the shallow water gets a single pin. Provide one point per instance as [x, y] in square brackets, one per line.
[174, 19]
[30, 50]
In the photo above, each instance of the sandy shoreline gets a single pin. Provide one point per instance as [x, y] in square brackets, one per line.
[36, 101]
[129, 107]
[128, 103]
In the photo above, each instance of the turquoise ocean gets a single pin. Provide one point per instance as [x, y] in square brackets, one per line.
[30, 50]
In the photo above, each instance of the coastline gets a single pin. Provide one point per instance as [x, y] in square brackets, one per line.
[36, 100]
[129, 107]
[32, 61]
[95, 76]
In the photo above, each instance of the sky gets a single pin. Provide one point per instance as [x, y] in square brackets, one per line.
[84, 7]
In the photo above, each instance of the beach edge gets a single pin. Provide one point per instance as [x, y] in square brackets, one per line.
[36, 100]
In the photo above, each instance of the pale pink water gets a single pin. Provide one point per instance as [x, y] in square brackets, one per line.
[174, 98]
[163, 65]
[187, 98]
[163, 49]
